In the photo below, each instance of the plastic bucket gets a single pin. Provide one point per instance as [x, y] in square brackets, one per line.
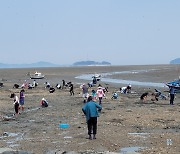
[63, 125]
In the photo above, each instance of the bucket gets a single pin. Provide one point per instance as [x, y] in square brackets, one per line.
[63, 125]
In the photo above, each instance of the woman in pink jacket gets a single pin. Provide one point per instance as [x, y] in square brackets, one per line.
[100, 94]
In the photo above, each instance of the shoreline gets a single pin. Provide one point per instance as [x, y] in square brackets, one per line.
[106, 77]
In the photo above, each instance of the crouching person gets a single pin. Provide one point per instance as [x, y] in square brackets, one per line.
[114, 95]
[44, 102]
[51, 90]
[90, 109]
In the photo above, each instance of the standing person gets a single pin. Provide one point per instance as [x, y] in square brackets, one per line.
[94, 80]
[34, 84]
[91, 113]
[172, 93]
[71, 89]
[15, 102]
[63, 84]
[93, 95]
[85, 92]
[100, 94]
[21, 99]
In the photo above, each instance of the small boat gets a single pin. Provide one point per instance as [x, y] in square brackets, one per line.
[37, 75]
[97, 77]
[175, 84]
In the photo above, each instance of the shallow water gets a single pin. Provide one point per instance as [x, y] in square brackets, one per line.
[104, 79]
[33, 109]
[130, 150]
[140, 135]
[12, 138]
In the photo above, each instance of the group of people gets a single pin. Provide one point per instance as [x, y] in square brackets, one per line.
[91, 109]
[59, 86]
[18, 101]
[158, 94]
[96, 94]
[27, 85]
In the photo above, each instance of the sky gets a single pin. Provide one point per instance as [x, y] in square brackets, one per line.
[122, 32]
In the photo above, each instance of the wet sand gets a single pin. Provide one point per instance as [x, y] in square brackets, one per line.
[125, 122]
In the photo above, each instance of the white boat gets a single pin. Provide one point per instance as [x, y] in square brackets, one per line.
[37, 75]
[97, 76]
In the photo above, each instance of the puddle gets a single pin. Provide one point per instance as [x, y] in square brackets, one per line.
[82, 143]
[103, 79]
[14, 145]
[3, 150]
[131, 150]
[31, 120]
[169, 142]
[8, 118]
[140, 135]
[12, 138]
[67, 137]
[7, 134]
[33, 109]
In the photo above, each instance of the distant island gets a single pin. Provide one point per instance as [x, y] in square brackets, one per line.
[32, 65]
[47, 64]
[175, 61]
[90, 63]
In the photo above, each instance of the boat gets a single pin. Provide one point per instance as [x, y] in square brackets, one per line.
[97, 77]
[175, 84]
[37, 75]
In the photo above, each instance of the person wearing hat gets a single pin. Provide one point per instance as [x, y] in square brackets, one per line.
[100, 94]
[44, 102]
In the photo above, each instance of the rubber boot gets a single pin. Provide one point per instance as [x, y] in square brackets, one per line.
[90, 137]
[94, 136]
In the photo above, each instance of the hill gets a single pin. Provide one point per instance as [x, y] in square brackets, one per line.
[87, 63]
[175, 61]
[32, 65]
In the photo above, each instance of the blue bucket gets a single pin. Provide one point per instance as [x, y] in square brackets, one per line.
[63, 125]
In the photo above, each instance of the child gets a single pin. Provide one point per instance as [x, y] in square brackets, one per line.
[93, 95]
[22, 99]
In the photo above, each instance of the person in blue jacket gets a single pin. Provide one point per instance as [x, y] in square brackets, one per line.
[172, 94]
[90, 109]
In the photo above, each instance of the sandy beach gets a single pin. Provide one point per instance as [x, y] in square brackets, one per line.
[126, 125]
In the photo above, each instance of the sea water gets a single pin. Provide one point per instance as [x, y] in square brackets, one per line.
[104, 79]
